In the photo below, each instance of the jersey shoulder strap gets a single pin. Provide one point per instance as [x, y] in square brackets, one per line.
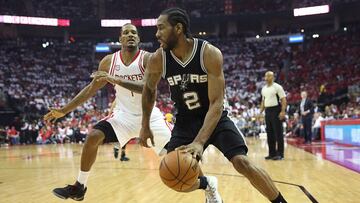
[114, 58]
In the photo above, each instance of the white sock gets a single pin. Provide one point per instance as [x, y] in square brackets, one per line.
[83, 177]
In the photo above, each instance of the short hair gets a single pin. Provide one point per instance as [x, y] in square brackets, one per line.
[121, 30]
[177, 15]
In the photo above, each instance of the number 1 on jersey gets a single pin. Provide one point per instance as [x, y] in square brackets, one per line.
[191, 100]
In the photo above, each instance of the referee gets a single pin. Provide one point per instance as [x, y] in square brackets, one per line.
[274, 115]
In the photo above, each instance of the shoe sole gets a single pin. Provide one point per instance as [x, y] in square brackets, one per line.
[59, 196]
[220, 196]
[62, 197]
[221, 201]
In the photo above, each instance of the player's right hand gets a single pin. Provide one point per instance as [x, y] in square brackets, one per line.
[145, 134]
[102, 76]
[53, 115]
[99, 75]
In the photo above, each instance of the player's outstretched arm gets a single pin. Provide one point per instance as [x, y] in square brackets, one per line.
[134, 86]
[83, 95]
[152, 77]
[213, 61]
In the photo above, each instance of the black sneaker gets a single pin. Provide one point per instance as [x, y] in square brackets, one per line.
[124, 158]
[269, 157]
[75, 192]
[275, 158]
[116, 152]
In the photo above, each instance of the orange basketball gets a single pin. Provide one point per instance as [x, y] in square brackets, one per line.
[179, 171]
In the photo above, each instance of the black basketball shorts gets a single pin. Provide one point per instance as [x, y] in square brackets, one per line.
[226, 136]
[108, 130]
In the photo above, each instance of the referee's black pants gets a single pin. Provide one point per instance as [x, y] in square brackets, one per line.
[274, 131]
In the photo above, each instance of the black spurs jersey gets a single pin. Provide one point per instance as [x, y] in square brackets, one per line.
[188, 81]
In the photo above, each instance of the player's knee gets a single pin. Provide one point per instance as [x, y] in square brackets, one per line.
[242, 164]
[95, 138]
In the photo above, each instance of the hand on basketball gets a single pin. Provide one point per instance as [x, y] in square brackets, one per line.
[53, 115]
[101, 76]
[145, 134]
[194, 148]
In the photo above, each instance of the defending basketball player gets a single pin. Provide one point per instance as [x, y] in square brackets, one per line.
[193, 70]
[125, 69]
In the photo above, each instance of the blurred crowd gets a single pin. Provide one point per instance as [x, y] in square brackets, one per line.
[137, 9]
[71, 129]
[91, 10]
[34, 78]
[75, 10]
[295, 128]
[325, 66]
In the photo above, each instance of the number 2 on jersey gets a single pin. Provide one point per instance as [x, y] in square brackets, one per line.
[191, 100]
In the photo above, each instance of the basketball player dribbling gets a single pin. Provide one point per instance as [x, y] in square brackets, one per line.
[193, 70]
[125, 69]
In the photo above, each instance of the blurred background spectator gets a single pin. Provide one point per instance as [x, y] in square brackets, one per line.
[43, 71]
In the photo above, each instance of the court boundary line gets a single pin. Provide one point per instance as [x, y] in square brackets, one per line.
[302, 188]
[324, 158]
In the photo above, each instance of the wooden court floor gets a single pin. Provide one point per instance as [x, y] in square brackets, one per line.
[29, 173]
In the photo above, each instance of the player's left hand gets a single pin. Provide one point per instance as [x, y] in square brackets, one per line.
[194, 148]
[100, 76]
[54, 114]
[145, 134]
[282, 115]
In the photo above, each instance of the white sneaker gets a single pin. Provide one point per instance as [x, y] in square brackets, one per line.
[211, 192]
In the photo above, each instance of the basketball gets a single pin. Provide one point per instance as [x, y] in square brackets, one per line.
[179, 171]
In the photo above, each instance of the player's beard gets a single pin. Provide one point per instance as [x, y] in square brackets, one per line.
[171, 42]
[131, 48]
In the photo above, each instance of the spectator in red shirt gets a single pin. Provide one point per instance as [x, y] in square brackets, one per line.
[13, 135]
[48, 135]
[45, 134]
